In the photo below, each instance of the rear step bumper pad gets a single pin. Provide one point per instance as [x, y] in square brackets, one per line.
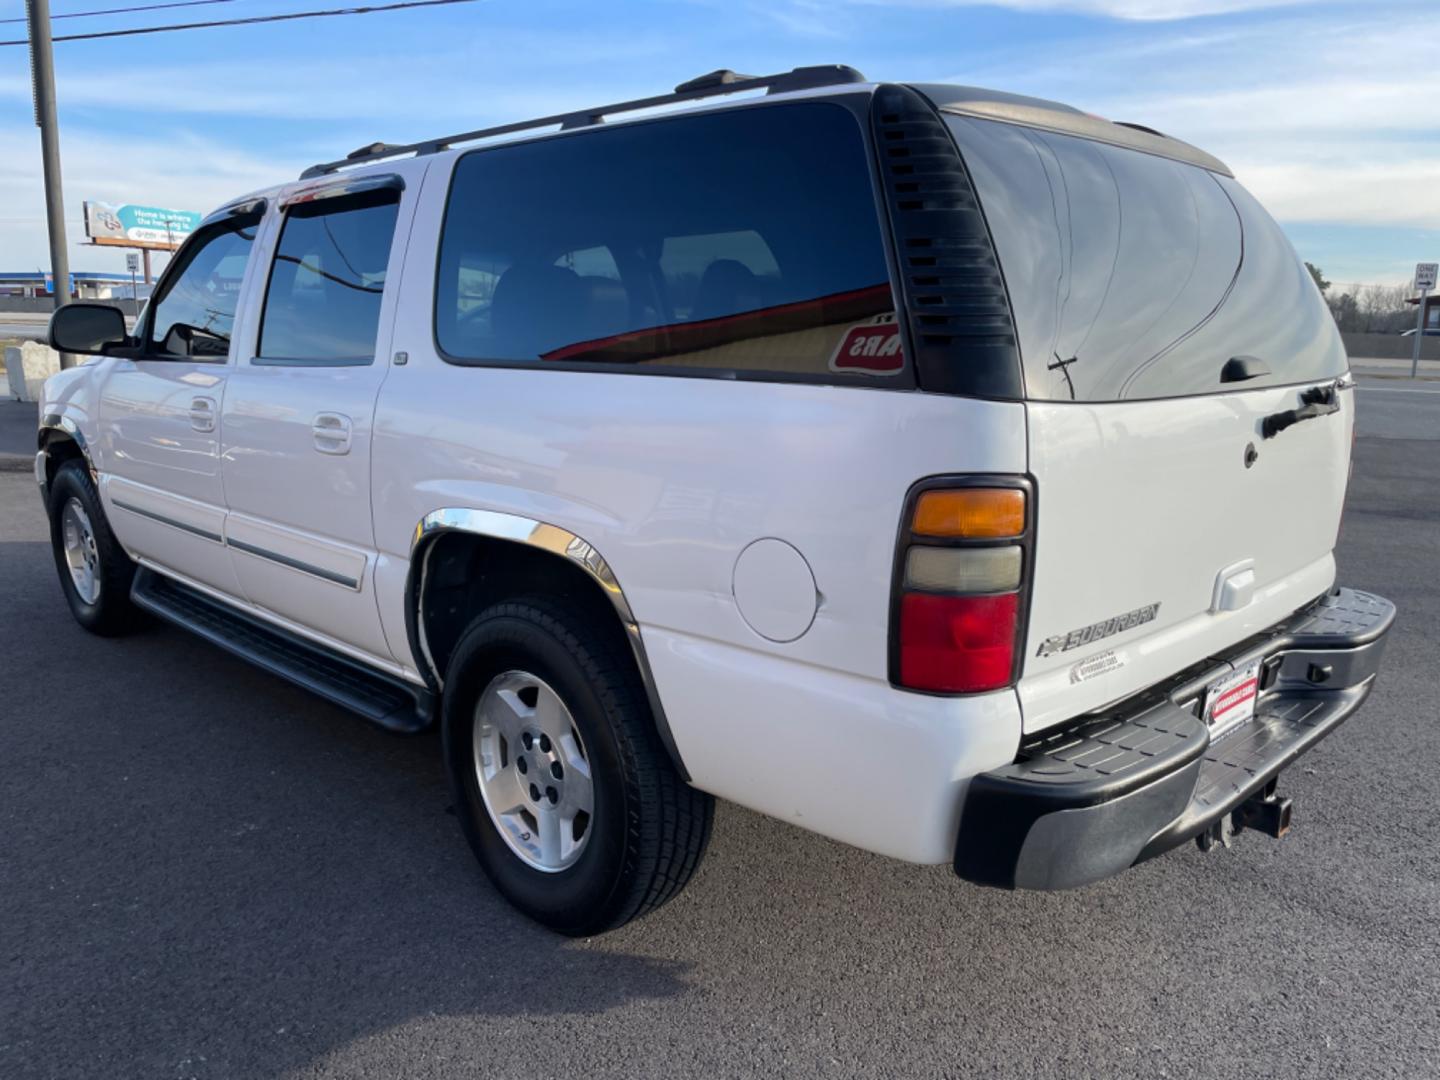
[1085, 802]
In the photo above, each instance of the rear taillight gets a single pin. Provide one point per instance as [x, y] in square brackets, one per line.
[960, 579]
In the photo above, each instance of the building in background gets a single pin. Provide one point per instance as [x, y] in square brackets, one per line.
[83, 285]
[1432, 313]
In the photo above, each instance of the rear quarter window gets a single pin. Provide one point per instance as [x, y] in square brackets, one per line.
[738, 243]
[1134, 276]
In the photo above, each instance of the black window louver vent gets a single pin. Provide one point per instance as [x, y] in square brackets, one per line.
[961, 327]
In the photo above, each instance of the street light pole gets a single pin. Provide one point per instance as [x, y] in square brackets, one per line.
[42, 70]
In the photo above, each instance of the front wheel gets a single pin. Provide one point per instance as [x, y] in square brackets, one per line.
[562, 786]
[95, 573]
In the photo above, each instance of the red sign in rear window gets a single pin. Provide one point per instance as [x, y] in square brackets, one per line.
[872, 347]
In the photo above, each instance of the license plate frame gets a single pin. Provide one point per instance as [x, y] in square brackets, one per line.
[1230, 701]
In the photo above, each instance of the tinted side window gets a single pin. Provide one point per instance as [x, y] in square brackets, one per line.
[195, 314]
[322, 304]
[744, 241]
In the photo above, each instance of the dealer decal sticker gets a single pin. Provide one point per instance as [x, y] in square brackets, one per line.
[1099, 664]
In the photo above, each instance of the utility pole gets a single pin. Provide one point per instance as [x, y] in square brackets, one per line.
[42, 71]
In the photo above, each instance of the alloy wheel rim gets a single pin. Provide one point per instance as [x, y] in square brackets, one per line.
[533, 771]
[81, 555]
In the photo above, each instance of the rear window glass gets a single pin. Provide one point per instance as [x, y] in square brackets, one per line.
[742, 242]
[322, 305]
[1135, 276]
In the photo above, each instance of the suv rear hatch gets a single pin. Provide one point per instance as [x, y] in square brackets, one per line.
[1156, 546]
[1162, 317]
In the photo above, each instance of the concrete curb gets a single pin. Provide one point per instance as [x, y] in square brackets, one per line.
[16, 463]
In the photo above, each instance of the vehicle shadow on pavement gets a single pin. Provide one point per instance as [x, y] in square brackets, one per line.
[208, 872]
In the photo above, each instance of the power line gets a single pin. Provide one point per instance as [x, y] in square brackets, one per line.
[254, 19]
[125, 10]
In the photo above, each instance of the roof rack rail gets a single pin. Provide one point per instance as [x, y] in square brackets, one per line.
[1140, 127]
[714, 84]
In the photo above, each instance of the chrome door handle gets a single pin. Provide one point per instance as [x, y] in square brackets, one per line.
[331, 432]
[202, 413]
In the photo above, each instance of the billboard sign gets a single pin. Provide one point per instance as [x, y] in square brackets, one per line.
[126, 225]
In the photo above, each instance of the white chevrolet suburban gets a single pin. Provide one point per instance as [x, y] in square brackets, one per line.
[951, 473]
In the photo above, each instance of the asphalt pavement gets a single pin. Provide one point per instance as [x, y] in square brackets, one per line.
[24, 327]
[205, 872]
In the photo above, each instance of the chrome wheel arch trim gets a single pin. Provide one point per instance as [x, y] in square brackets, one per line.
[58, 422]
[558, 541]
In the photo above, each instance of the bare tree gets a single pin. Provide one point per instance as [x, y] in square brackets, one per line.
[1372, 309]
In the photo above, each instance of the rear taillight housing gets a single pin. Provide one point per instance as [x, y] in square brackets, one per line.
[961, 570]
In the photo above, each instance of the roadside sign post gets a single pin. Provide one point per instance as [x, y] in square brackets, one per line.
[1424, 282]
[132, 263]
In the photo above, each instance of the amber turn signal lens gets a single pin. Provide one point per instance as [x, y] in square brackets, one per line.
[971, 513]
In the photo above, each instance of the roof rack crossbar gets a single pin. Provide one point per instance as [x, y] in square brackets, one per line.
[715, 84]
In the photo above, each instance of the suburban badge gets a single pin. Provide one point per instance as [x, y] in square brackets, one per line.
[1096, 631]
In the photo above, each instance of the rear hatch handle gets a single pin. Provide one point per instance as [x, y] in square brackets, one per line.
[1242, 369]
[1314, 401]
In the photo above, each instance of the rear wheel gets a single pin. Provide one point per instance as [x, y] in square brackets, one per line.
[562, 786]
[95, 573]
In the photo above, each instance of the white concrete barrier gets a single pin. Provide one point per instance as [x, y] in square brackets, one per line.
[27, 366]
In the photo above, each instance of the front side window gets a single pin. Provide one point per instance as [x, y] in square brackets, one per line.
[194, 316]
[322, 305]
[742, 242]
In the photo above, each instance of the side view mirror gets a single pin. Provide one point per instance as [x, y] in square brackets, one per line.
[88, 328]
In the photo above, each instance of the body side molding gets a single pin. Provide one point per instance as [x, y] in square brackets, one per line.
[538, 534]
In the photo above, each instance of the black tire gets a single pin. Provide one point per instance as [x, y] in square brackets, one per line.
[111, 612]
[649, 829]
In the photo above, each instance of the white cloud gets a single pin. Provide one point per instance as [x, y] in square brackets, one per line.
[186, 172]
[503, 74]
[1404, 193]
[1317, 111]
[1318, 116]
[1147, 10]
[1133, 10]
[391, 94]
[806, 18]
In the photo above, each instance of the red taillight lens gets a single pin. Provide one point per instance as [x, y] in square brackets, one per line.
[957, 644]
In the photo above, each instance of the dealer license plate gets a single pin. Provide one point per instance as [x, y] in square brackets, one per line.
[1230, 701]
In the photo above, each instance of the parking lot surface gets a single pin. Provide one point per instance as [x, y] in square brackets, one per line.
[205, 872]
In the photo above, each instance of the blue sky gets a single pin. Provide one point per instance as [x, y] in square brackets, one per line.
[1324, 109]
